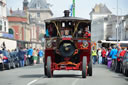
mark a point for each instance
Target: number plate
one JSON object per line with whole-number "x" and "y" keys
{"x": 62, "y": 66}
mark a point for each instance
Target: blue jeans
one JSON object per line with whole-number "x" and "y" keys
{"x": 94, "y": 59}
{"x": 103, "y": 60}
{"x": 21, "y": 63}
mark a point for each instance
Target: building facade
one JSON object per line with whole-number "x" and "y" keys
{"x": 19, "y": 27}
{"x": 26, "y": 25}
{"x": 123, "y": 27}
{"x": 99, "y": 16}
{"x": 99, "y": 11}
{"x": 104, "y": 25}
{"x": 3, "y": 17}
{"x": 38, "y": 11}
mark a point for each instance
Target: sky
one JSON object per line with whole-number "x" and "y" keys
{"x": 83, "y": 7}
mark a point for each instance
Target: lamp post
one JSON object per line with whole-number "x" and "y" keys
{"x": 117, "y": 23}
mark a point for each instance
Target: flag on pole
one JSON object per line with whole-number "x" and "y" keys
{"x": 71, "y": 10}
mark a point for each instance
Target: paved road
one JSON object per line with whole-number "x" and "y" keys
{"x": 33, "y": 75}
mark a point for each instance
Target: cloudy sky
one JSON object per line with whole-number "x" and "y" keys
{"x": 83, "y": 7}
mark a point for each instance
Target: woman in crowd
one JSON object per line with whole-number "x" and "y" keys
{"x": 103, "y": 55}
{"x": 41, "y": 53}
{"x": 99, "y": 56}
{"x": 35, "y": 55}
{"x": 109, "y": 60}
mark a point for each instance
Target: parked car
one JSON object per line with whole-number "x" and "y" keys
{"x": 8, "y": 61}
{"x": 124, "y": 66}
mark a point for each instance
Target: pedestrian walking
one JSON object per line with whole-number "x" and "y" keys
{"x": 103, "y": 55}
{"x": 122, "y": 53}
{"x": 35, "y": 56}
{"x": 113, "y": 55}
{"x": 21, "y": 55}
{"x": 99, "y": 56}
{"x": 94, "y": 55}
{"x": 30, "y": 55}
{"x": 109, "y": 59}
{"x": 41, "y": 53}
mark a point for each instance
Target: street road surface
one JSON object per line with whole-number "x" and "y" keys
{"x": 34, "y": 75}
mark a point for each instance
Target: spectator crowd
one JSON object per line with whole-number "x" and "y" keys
{"x": 25, "y": 56}
{"x": 113, "y": 57}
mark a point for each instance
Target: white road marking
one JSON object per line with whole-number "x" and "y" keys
{"x": 30, "y": 83}
{"x": 74, "y": 82}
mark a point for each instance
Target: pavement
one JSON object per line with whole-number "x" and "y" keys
{"x": 34, "y": 75}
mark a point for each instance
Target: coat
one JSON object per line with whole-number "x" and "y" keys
{"x": 40, "y": 53}
{"x": 103, "y": 53}
{"x": 113, "y": 53}
{"x": 21, "y": 54}
{"x": 30, "y": 51}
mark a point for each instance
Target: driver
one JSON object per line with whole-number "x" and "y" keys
{"x": 67, "y": 33}
{"x": 86, "y": 32}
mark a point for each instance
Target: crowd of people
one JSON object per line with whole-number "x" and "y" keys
{"x": 34, "y": 56}
{"x": 109, "y": 55}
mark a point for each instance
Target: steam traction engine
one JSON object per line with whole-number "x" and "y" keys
{"x": 68, "y": 45}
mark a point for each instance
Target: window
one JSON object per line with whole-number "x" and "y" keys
{"x": 10, "y": 31}
{"x": 38, "y": 14}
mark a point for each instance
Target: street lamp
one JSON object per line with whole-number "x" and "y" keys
{"x": 117, "y": 23}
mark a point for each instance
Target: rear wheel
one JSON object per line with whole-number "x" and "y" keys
{"x": 49, "y": 65}
{"x": 84, "y": 67}
{"x": 90, "y": 67}
{"x": 45, "y": 70}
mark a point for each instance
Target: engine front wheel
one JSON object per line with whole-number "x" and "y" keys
{"x": 84, "y": 67}
{"x": 49, "y": 66}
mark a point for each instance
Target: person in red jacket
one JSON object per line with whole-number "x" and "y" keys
{"x": 120, "y": 60}
{"x": 122, "y": 53}
{"x": 103, "y": 53}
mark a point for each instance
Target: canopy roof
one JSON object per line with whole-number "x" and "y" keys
{"x": 68, "y": 19}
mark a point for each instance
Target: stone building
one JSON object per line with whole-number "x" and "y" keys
{"x": 3, "y": 18}
{"x": 99, "y": 11}
{"x": 26, "y": 25}
{"x": 104, "y": 25}
{"x": 99, "y": 16}
{"x": 38, "y": 11}
{"x": 123, "y": 27}
{"x": 19, "y": 27}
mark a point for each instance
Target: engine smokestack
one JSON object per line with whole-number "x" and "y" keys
{"x": 66, "y": 13}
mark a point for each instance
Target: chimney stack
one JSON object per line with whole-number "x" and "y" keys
{"x": 66, "y": 13}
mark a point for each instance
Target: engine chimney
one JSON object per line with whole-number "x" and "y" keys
{"x": 66, "y": 13}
